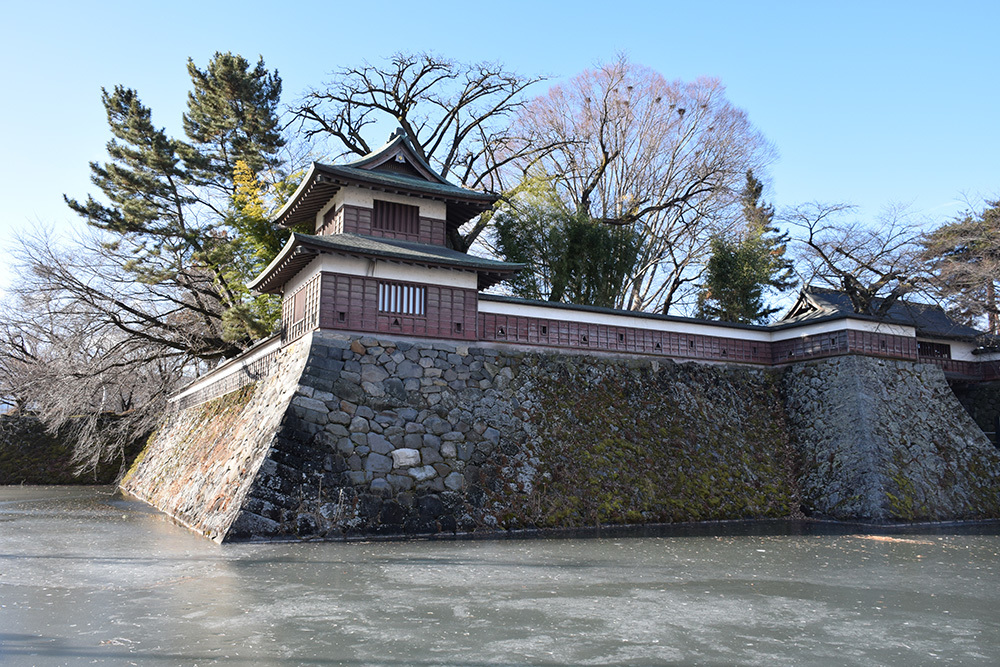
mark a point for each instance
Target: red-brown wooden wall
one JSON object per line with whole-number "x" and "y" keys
{"x": 350, "y": 303}
{"x": 585, "y": 336}
{"x": 358, "y": 220}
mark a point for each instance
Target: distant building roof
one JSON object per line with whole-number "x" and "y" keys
{"x": 302, "y": 248}
{"x": 930, "y": 321}
{"x": 396, "y": 168}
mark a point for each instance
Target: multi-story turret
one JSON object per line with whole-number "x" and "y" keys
{"x": 378, "y": 259}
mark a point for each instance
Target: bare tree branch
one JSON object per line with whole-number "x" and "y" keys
{"x": 667, "y": 159}
{"x": 86, "y": 379}
{"x": 875, "y": 265}
{"x": 458, "y": 115}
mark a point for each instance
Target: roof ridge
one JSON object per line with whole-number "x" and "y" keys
{"x": 398, "y": 143}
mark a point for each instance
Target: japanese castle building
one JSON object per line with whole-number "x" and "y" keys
{"x": 378, "y": 262}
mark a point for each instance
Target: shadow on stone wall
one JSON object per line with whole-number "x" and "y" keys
{"x": 982, "y": 401}
{"x": 884, "y": 440}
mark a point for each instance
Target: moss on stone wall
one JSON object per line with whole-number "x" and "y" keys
{"x": 622, "y": 442}
{"x": 209, "y": 421}
{"x": 199, "y": 465}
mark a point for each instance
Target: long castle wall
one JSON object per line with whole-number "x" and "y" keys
{"x": 357, "y": 435}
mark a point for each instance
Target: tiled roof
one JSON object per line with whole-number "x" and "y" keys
{"x": 929, "y": 320}
{"x": 395, "y": 168}
{"x": 444, "y": 190}
{"x": 302, "y": 248}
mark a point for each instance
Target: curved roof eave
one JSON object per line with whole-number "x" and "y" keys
{"x": 279, "y": 260}
{"x": 302, "y": 248}
{"x": 323, "y": 181}
{"x": 398, "y": 142}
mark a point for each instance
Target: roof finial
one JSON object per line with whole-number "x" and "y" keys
{"x": 398, "y": 132}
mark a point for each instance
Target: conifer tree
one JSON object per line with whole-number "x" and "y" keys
{"x": 964, "y": 258}
{"x": 740, "y": 270}
{"x": 176, "y": 218}
{"x": 144, "y": 180}
{"x": 232, "y": 117}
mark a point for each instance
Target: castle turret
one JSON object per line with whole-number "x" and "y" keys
{"x": 378, "y": 258}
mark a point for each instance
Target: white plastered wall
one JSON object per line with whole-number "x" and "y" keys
{"x": 693, "y": 328}
{"x": 610, "y": 319}
{"x": 357, "y": 266}
{"x": 364, "y": 198}
{"x": 960, "y": 350}
{"x": 839, "y": 325}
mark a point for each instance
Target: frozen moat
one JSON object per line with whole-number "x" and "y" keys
{"x": 87, "y": 578}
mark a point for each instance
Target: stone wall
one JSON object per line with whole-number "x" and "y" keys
{"x": 372, "y": 436}
{"x": 887, "y": 440}
{"x": 393, "y": 437}
{"x": 360, "y": 436}
{"x": 202, "y": 461}
{"x": 982, "y": 401}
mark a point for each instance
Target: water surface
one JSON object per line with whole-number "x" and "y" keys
{"x": 87, "y": 578}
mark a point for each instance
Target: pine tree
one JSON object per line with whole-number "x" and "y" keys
{"x": 143, "y": 181}
{"x": 964, "y": 258}
{"x": 232, "y": 117}
{"x": 741, "y": 270}
{"x": 175, "y": 214}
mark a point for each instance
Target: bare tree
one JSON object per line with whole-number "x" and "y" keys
{"x": 93, "y": 277}
{"x": 92, "y": 353}
{"x": 666, "y": 158}
{"x": 875, "y": 265}
{"x": 17, "y": 353}
{"x": 458, "y": 115}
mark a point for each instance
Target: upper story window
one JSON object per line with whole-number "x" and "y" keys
{"x": 933, "y": 350}
{"x": 393, "y": 217}
{"x": 402, "y": 299}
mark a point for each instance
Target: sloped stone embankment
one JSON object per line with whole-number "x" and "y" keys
{"x": 359, "y": 436}
{"x": 885, "y": 440}
{"x": 380, "y": 437}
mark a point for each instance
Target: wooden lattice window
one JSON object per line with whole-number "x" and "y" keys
{"x": 299, "y": 306}
{"x": 402, "y": 299}
{"x": 933, "y": 350}
{"x": 393, "y": 217}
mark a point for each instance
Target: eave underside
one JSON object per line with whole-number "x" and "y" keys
{"x": 323, "y": 187}
{"x": 300, "y": 253}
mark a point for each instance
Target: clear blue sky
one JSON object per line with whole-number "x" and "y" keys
{"x": 866, "y": 102}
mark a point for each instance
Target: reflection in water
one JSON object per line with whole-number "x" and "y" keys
{"x": 88, "y": 578}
